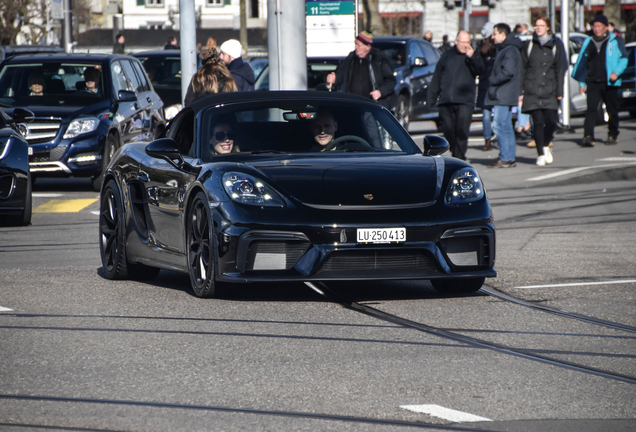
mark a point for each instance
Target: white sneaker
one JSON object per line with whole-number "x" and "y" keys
{"x": 548, "y": 155}
{"x": 541, "y": 161}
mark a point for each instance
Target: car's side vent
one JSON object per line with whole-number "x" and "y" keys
{"x": 6, "y": 185}
{"x": 274, "y": 255}
{"x": 138, "y": 205}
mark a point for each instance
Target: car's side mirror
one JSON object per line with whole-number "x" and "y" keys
{"x": 434, "y": 145}
{"x": 420, "y": 62}
{"x": 21, "y": 115}
{"x": 168, "y": 150}
{"x": 574, "y": 58}
{"x": 126, "y": 96}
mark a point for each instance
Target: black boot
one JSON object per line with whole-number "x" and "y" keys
{"x": 488, "y": 145}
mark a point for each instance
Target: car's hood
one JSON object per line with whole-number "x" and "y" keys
{"x": 64, "y": 112}
{"x": 377, "y": 180}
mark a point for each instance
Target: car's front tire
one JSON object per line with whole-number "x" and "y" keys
{"x": 112, "y": 239}
{"x": 200, "y": 243}
{"x": 457, "y": 285}
{"x": 110, "y": 147}
{"x": 402, "y": 111}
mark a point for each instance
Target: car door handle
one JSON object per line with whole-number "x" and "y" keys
{"x": 143, "y": 176}
{"x": 148, "y": 99}
{"x": 136, "y": 106}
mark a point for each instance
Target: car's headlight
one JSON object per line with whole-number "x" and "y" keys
{"x": 464, "y": 187}
{"x": 81, "y": 126}
{"x": 172, "y": 111}
{"x": 5, "y": 146}
{"x": 247, "y": 189}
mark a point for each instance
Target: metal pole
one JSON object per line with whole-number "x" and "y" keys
{"x": 565, "y": 38}
{"x": 287, "y": 44}
{"x": 467, "y": 8}
{"x": 243, "y": 31}
{"x": 551, "y": 4}
{"x": 188, "y": 36}
{"x": 68, "y": 35}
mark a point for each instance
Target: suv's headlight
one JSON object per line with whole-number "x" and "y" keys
{"x": 464, "y": 187}
{"x": 81, "y": 126}
{"x": 247, "y": 189}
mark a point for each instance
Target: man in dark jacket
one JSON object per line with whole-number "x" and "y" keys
{"x": 231, "y": 52}
{"x": 503, "y": 93}
{"x": 453, "y": 90}
{"x": 366, "y": 72}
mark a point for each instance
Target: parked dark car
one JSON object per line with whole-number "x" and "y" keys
{"x": 317, "y": 70}
{"x": 370, "y": 206}
{"x": 15, "y": 177}
{"x": 164, "y": 70}
{"x": 627, "y": 92}
{"x": 76, "y": 131}
{"x": 414, "y": 62}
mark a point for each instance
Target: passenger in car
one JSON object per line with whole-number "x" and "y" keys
{"x": 323, "y": 127}
{"x": 222, "y": 139}
{"x": 92, "y": 79}
{"x": 36, "y": 85}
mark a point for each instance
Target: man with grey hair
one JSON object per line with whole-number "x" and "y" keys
{"x": 453, "y": 90}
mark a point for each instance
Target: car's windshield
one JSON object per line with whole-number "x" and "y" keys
{"x": 394, "y": 52}
{"x": 300, "y": 127}
{"x": 51, "y": 84}
{"x": 163, "y": 70}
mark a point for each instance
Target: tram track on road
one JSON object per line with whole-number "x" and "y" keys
{"x": 322, "y": 289}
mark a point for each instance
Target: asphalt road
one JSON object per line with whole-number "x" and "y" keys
{"x": 79, "y": 352}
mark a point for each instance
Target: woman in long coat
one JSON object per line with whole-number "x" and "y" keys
{"x": 543, "y": 64}
{"x": 212, "y": 77}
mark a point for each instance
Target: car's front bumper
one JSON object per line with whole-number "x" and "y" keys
{"x": 332, "y": 253}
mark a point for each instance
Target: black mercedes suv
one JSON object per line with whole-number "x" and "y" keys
{"x": 86, "y": 106}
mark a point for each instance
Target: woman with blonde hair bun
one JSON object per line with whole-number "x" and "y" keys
{"x": 212, "y": 77}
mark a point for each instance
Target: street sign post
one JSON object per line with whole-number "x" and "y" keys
{"x": 331, "y": 27}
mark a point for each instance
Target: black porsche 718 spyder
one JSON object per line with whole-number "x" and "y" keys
{"x": 239, "y": 191}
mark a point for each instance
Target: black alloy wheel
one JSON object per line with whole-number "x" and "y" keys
{"x": 110, "y": 147}
{"x": 457, "y": 286}
{"x": 402, "y": 112}
{"x": 200, "y": 242}
{"x": 112, "y": 239}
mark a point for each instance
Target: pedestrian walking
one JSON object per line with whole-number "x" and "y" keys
{"x": 543, "y": 65}
{"x": 487, "y": 51}
{"x": 119, "y": 47}
{"x": 366, "y": 72}
{"x": 452, "y": 89}
{"x": 231, "y": 53}
{"x": 598, "y": 70}
{"x": 503, "y": 93}
{"x": 212, "y": 77}
{"x": 445, "y": 44}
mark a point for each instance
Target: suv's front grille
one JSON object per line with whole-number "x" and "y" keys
{"x": 40, "y": 130}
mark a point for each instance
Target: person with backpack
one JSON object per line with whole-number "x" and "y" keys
{"x": 543, "y": 65}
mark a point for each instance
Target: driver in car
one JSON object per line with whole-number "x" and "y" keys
{"x": 222, "y": 140}
{"x": 323, "y": 127}
{"x": 92, "y": 79}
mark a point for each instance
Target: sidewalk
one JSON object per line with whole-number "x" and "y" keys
{"x": 572, "y": 163}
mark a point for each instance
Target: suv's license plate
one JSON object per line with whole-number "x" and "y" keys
{"x": 628, "y": 93}
{"x": 381, "y": 235}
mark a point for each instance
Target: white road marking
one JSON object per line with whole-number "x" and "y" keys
{"x": 573, "y": 170}
{"x": 46, "y": 195}
{"x": 618, "y": 159}
{"x": 578, "y": 284}
{"x": 4, "y": 309}
{"x": 445, "y": 413}
{"x": 95, "y": 212}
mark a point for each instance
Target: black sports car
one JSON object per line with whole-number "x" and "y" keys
{"x": 15, "y": 177}
{"x": 240, "y": 191}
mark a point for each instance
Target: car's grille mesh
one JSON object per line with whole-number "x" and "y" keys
{"x": 57, "y": 153}
{"x": 43, "y": 156}
{"x": 377, "y": 260}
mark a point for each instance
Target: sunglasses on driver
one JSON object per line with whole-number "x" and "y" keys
{"x": 220, "y": 136}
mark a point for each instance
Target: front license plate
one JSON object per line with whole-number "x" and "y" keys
{"x": 381, "y": 235}
{"x": 30, "y": 151}
{"x": 628, "y": 93}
